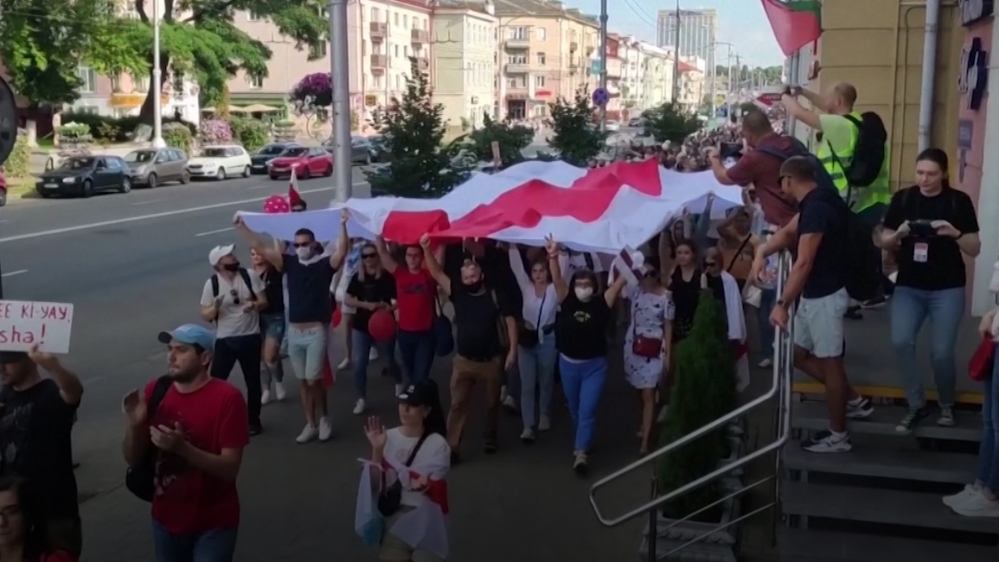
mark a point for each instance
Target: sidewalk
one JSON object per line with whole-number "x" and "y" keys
{"x": 39, "y": 156}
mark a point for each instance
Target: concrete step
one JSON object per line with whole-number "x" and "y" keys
{"x": 869, "y": 459}
{"x": 799, "y": 545}
{"x": 812, "y": 415}
{"x": 873, "y": 505}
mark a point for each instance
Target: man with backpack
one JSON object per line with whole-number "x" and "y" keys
{"x": 853, "y": 149}
{"x": 232, "y": 299}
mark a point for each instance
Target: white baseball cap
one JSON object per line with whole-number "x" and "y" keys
{"x": 219, "y": 252}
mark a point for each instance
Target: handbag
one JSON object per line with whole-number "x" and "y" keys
{"x": 983, "y": 359}
{"x": 527, "y": 337}
{"x": 443, "y": 332}
{"x": 642, "y": 346}
{"x": 390, "y": 500}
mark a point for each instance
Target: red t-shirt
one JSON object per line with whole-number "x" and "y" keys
{"x": 187, "y": 500}
{"x": 416, "y": 295}
{"x": 763, "y": 171}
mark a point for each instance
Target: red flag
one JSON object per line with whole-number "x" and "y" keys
{"x": 795, "y": 24}
{"x": 293, "y": 196}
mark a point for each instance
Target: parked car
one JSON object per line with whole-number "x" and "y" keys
{"x": 636, "y": 122}
{"x": 378, "y": 148}
{"x": 269, "y": 152}
{"x": 86, "y": 175}
{"x": 3, "y": 189}
{"x": 612, "y": 126}
{"x": 306, "y": 162}
{"x": 361, "y": 150}
{"x": 220, "y": 162}
{"x": 151, "y": 167}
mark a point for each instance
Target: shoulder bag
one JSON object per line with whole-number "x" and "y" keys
{"x": 527, "y": 337}
{"x": 390, "y": 500}
{"x": 642, "y": 346}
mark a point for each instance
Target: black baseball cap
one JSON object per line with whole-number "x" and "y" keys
{"x": 419, "y": 394}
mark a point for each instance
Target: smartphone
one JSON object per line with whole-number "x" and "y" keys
{"x": 922, "y": 229}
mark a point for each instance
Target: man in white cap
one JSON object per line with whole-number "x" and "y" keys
{"x": 231, "y": 299}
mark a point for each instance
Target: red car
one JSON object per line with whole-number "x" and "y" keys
{"x": 306, "y": 162}
{"x": 3, "y": 190}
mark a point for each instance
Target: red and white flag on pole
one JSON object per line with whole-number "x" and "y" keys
{"x": 293, "y": 195}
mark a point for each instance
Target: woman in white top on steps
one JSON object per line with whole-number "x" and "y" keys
{"x": 536, "y": 353}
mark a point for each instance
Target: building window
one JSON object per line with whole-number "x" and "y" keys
{"x": 116, "y": 84}
{"x": 541, "y": 59}
{"x": 395, "y": 18}
{"x": 516, "y": 59}
{"x": 318, "y": 51}
{"x": 89, "y": 79}
{"x": 519, "y": 33}
{"x": 140, "y": 84}
{"x": 541, "y": 33}
{"x": 396, "y": 50}
{"x": 87, "y": 109}
{"x": 177, "y": 82}
{"x": 251, "y": 16}
{"x": 539, "y": 81}
{"x": 255, "y": 82}
{"x": 405, "y": 22}
{"x": 375, "y": 15}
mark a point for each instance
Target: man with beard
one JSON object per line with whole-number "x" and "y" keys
{"x": 36, "y": 421}
{"x": 197, "y": 431}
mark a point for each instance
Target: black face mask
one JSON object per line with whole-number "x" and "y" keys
{"x": 231, "y": 266}
{"x": 474, "y": 287}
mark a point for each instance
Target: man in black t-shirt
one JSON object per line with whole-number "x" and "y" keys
{"x": 36, "y": 422}
{"x": 486, "y": 327}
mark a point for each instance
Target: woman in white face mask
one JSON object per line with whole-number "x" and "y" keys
{"x": 581, "y": 340}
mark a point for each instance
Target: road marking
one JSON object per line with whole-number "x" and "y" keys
{"x": 147, "y": 202}
{"x": 13, "y": 273}
{"x": 176, "y": 212}
{"x": 210, "y": 232}
{"x": 262, "y": 186}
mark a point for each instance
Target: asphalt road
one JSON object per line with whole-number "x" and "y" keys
{"x": 134, "y": 264}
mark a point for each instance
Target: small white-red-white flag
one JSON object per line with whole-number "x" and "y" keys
{"x": 293, "y": 195}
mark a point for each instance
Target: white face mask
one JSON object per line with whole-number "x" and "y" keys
{"x": 584, "y": 293}
{"x": 303, "y": 252}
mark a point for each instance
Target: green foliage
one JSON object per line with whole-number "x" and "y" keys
{"x": 124, "y": 126}
{"x": 355, "y": 120}
{"x": 17, "y": 164}
{"x": 704, "y": 384}
{"x": 670, "y": 122}
{"x": 414, "y": 129}
{"x": 179, "y": 136}
{"x": 251, "y": 133}
{"x": 577, "y": 139}
{"x": 71, "y": 131}
{"x": 222, "y": 104}
{"x": 106, "y": 134}
{"x": 511, "y": 138}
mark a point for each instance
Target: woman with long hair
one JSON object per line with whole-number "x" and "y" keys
{"x": 407, "y": 473}
{"x": 684, "y": 283}
{"x": 931, "y": 226}
{"x": 22, "y": 533}
{"x": 272, "y": 327}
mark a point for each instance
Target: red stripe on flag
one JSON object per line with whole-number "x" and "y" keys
{"x": 792, "y": 28}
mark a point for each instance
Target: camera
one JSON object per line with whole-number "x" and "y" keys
{"x": 922, "y": 229}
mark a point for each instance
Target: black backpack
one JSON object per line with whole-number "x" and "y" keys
{"x": 869, "y": 153}
{"x": 244, "y": 274}
{"x": 139, "y": 479}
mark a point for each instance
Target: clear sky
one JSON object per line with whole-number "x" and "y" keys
{"x": 740, "y": 22}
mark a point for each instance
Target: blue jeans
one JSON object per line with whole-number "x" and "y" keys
{"x": 768, "y": 299}
{"x": 417, "y": 350}
{"x": 909, "y": 309}
{"x": 363, "y": 342}
{"x": 988, "y": 455}
{"x": 537, "y": 377}
{"x": 217, "y": 545}
{"x": 583, "y": 382}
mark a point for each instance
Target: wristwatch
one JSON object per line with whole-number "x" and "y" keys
{"x": 781, "y": 303}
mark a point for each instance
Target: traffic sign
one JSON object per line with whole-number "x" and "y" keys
{"x": 600, "y": 97}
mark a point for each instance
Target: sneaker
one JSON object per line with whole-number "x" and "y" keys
{"x": 279, "y": 391}
{"x": 876, "y": 302}
{"x": 580, "y": 465}
{"x": 325, "y": 428}
{"x": 256, "y": 429}
{"x": 977, "y": 506}
{"x": 969, "y": 491}
{"x": 308, "y": 434}
{"x": 544, "y": 423}
{"x": 859, "y": 409}
{"x": 510, "y": 404}
{"x": 343, "y": 364}
{"x": 359, "y": 407}
{"x": 399, "y": 387}
{"x": 765, "y": 364}
{"x": 946, "y": 418}
{"x": 527, "y": 436}
{"x": 826, "y": 442}
{"x": 911, "y": 420}
{"x": 373, "y": 355}
{"x": 265, "y": 397}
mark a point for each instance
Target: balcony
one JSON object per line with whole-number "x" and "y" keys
{"x": 573, "y": 47}
{"x": 378, "y": 30}
{"x": 419, "y": 37}
{"x": 378, "y": 64}
{"x": 517, "y": 93}
{"x": 517, "y": 43}
{"x": 517, "y": 68}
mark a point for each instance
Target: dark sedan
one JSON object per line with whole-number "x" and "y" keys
{"x": 84, "y": 176}
{"x": 260, "y": 159}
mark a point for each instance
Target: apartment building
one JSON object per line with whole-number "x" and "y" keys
{"x": 632, "y": 86}
{"x": 615, "y": 72}
{"x": 464, "y": 75}
{"x": 544, "y": 54}
{"x": 656, "y": 76}
{"x": 692, "y": 82}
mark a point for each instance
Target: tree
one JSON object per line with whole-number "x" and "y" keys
{"x": 669, "y": 122}
{"x": 512, "y": 140}
{"x": 577, "y": 138}
{"x": 414, "y": 128}
{"x": 199, "y": 39}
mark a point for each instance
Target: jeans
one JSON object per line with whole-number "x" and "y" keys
{"x": 768, "y": 299}
{"x": 988, "y": 455}
{"x": 217, "y": 545}
{"x": 909, "y": 309}
{"x": 583, "y": 382}
{"x": 417, "y": 350}
{"x": 537, "y": 377}
{"x": 362, "y": 344}
{"x": 246, "y": 351}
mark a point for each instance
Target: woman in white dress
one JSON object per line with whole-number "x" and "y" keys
{"x": 648, "y": 342}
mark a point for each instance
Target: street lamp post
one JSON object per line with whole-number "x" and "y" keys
{"x": 340, "y": 74}
{"x": 158, "y": 141}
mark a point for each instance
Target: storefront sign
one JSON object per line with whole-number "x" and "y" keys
{"x": 973, "y": 74}
{"x": 974, "y": 11}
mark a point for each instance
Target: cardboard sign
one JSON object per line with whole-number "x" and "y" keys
{"x": 25, "y": 323}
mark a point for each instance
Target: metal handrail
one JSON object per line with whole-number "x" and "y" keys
{"x": 775, "y": 387}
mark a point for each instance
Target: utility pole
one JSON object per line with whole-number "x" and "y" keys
{"x": 340, "y": 74}
{"x": 603, "y": 61}
{"x": 676, "y": 57}
{"x": 158, "y": 141}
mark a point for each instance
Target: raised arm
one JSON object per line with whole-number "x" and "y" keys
{"x": 517, "y": 266}
{"x": 555, "y": 268}
{"x": 273, "y": 252}
{"x": 614, "y": 291}
{"x": 388, "y": 262}
{"x": 434, "y": 266}
{"x": 70, "y": 387}
{"x": 336, "y": 259}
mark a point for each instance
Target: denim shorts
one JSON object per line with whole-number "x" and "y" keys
{"x": 307, "y": 351}
{"x": 818, "y": 324}
{"x": 272, "y": 326}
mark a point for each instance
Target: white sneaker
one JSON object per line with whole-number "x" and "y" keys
{"x": 360, "y": 407}
{"x": 308, "y": 434}
{"x": 265, "y": 397}
{"x": 580, "y": 464}
{"x": 977, "y": 506}
{"x": 509, "y": 403}
{"x": 325, "y": 428}
{"x": 825, "y": 442}
{"x": 766, "y": 363}
{"x": 343, "y": 364}
{"x": 969, "y": 491}
{"x": 399, "y": 387}
{"x": 527, "y": 436}
{"x": 544, "y": 423}
{"x": 373, "y": 354}
{"x": 279, "y": 392}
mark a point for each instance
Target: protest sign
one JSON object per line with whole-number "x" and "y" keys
{"x": 24, "y": 324}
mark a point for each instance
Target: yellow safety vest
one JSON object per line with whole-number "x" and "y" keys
{"x": 862, "y": 197}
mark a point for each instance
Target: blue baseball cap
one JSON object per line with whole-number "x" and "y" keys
{"x": 190, "y": 334}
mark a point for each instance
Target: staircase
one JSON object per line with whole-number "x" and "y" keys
{"x": 881, "y": 502}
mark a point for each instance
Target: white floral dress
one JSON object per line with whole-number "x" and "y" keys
{"x": 649, "y": 314}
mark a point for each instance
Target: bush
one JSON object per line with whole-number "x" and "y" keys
{"x": 670, "y": 122}
{"x": 576, "y": 139}
{"x": 214, "y": 131}
{"x": 75, "y": 132}
{"x": 512, "y": 140}
{"x": 123, "y": 126}
{"x": 177, "y": 135}
{"x": 17, "y": 164}
{"x": 312, "y": 91}
{"x": 250, "y": 133}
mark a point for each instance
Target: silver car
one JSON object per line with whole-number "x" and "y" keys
{"x": 151, "y": 167}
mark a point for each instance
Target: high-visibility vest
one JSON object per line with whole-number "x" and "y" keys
{"x": 862, "y": 197}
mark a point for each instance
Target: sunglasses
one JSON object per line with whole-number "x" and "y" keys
{"x": 302, "y": 244}
{"x": 710, "y": 264}
{"x": 369, "y": 256}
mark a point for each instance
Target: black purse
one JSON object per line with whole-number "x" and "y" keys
{"x": 527, "y": 337}
{"x": 390, "y": 500}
